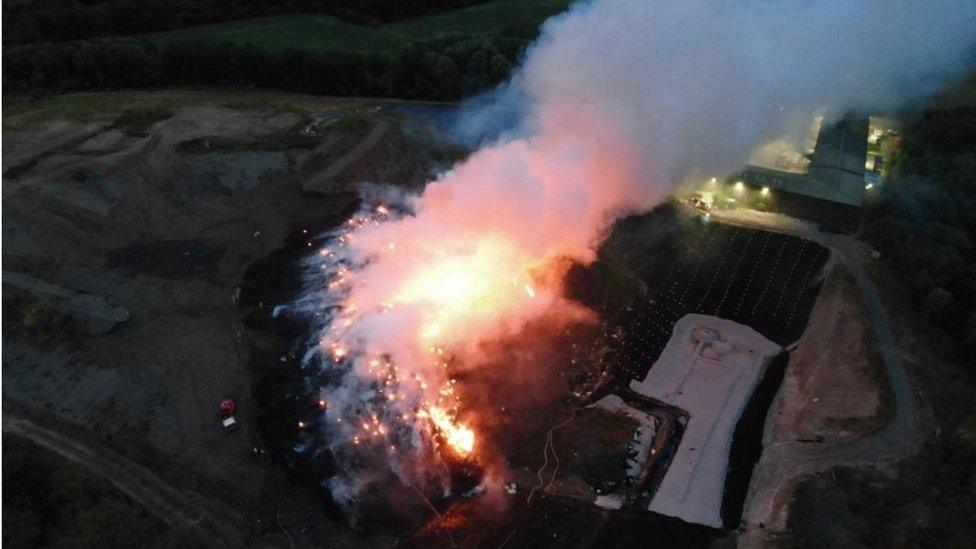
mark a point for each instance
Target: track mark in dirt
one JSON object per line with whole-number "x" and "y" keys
{"x": 15, "y": 171}
{"x": 324, "y": 180}
{"x": 135, "y": 481}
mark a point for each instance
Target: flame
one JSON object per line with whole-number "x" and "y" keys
{"x": 450, "y": 289}
{"x": 408, "y": 299}
{"x": 461, "y": 287}
{"x": 458, "y": 437}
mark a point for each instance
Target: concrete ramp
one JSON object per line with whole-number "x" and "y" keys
{"x": 709, "y": 368}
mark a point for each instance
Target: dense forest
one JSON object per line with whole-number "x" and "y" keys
{"x": 68, "y": 20}
{"x": 924, "y": 223}
{"x": 445, "y": 68}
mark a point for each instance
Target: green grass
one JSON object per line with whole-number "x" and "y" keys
{"x": 324, "y": 33}
{"x": 316, "y": 32}
{"x": 523, "y": 15}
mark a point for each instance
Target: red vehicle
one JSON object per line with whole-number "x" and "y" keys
{"x": 226, "y": 408}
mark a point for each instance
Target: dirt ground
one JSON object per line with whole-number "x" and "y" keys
{"x": 926, "y": 500}
{"x": 836, "y": 386}
{"x": 835, "y": 392}
{"x": 153, "y": 205}
{"x": 905, "y": 483}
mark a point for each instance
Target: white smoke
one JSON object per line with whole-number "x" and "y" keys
{"x": 694, "y": 85}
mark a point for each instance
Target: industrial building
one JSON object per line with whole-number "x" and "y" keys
{"x": 830, "y": 191}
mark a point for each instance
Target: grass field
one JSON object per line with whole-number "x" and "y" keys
{"x": 324, "y": 33}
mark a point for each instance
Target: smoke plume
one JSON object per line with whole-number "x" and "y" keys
{"x": 620, "y": 101}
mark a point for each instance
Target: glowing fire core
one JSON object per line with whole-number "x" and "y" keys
{"x": 403, "y": 319}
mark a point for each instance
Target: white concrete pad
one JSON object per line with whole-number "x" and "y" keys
{"x": 709, "y": 368}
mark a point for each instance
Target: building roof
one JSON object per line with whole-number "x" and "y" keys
{"x": 836, "y": 171}
{"x": 845, "y": 188}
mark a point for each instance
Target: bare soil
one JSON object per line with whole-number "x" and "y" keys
{"x": 926, "y": 500}
{"x": 160, "y": 213}
{"x": 836, "y": 386}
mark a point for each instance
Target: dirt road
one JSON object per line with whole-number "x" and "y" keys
{"x": 324, "y": 182}
{"x": 784, "y": 464}
{"x": 168, "y": 504}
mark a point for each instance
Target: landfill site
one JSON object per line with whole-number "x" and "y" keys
{"x": 144, "y": 343}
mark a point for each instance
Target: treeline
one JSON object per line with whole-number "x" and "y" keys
{"x": 443, "y": 69}
{"x": 66, "y": 20}
{"x": 925, "y": 224}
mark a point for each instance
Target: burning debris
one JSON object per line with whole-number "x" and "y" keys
{"x": 398, "y": 321}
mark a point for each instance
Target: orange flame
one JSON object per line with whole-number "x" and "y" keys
{"x": 460, "y": 291}
{"x": 426, "y": 306}
{"x": 458, "y": 436}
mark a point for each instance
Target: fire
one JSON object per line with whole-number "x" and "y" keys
{"x": 404, "y": 309}
{"x": 461, "y": 287}
{"x": 475, "y": 256}
{"x": 408, "y": 295}
{"x": 417, "y": 314}
{"x": 458, "y": 437}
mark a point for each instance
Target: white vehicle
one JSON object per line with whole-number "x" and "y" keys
{"x": 229, "y": 423}
{"x": 700, "y": 203}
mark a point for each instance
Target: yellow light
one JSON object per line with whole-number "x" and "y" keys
{"x": 765, "y": 191}
{"x": 738, "y": 186}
